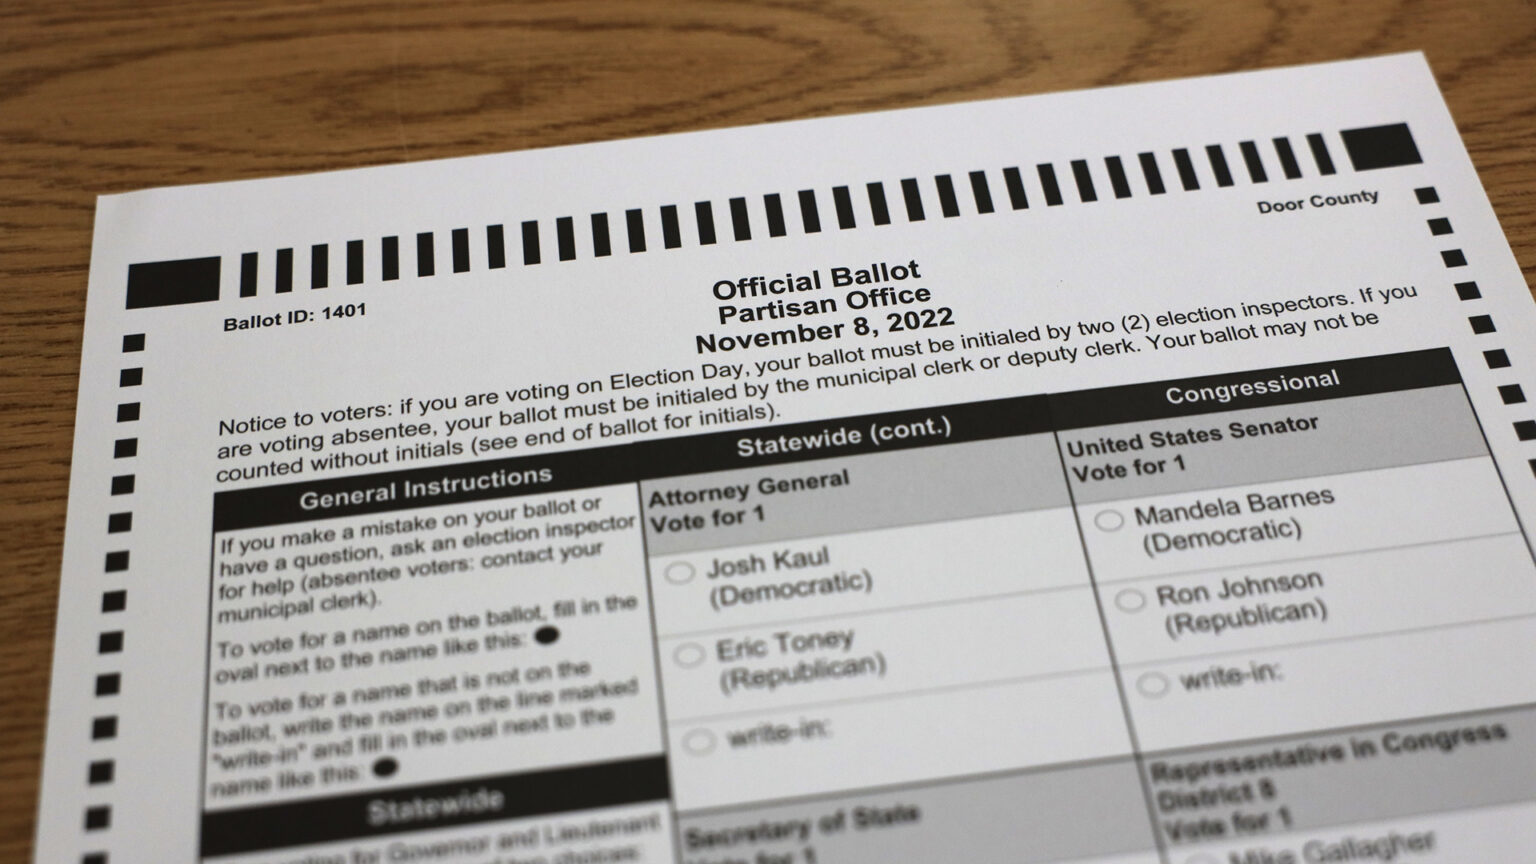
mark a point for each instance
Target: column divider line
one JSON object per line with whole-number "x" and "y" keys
{"x": 661, "y": 690}
{"x": 1114, "y": 661}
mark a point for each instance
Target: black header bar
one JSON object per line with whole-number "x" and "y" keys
{"x": 1259, "y": 388}
{"x": 628, "y": 463}
{"x": 441, "y": 805}
{"x": 847, "y": 436}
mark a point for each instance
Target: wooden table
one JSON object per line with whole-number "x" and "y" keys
{"x": 99, "y": 97}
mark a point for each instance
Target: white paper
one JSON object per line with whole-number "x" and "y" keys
{"x": 1129, "y": 475}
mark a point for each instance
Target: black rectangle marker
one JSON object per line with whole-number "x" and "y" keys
{"x": 1048, "y": 183}
{"x": 319, "y": 265}
{"x": 1015, "y": 183}
{"x": 1117, "y": 179}
{"x": 173, "y": 283}
{"x": 634, "y": 227}
{"x": 671, "y": 232}
{"x": 1084, "y": 180}
{"x": 354, "y": 262}
{"x": 460, "y": 242}
{"x": 1255, "y": 165}
{"x": 1287, "y": 156}
{"x": 531, "y": 242}
{"x": 914, "y": 199}
{"x": 774, "y": 207}
{"x": 389, "y": 250}
{"x": 1151, "y": 173}
{"x": 602, "y": 244}
{"x": 284, "y": 281}
{"x": 495, "y": 247}
{"x": 248, "y": 274}
{"x": 1320, "y": 153}
{"x": 741, "y": 229}
{"x": 809, "y": 215}
{"x": 842, "y": 202}
{"x": 981, "y": 192}
{"x": 426, "y": 254}
{"x": 565, "y": 238}
{"x": 704, "y": 215}
{"x": 879, "y": 208}
{"x": 1381, "y": 147}
{"x": 1219, "y": 168}
{"x": 98, "y": 818}
{"x": 947, "y": 203}
{"x": 1186, "y": 170}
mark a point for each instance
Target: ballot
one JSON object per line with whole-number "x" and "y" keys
{"x": 1141, "y": 475}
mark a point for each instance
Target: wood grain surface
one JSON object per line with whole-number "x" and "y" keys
{"x": 100, "y": 97}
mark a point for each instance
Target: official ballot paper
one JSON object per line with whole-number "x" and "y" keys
{"x": 1131, "y": 475}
